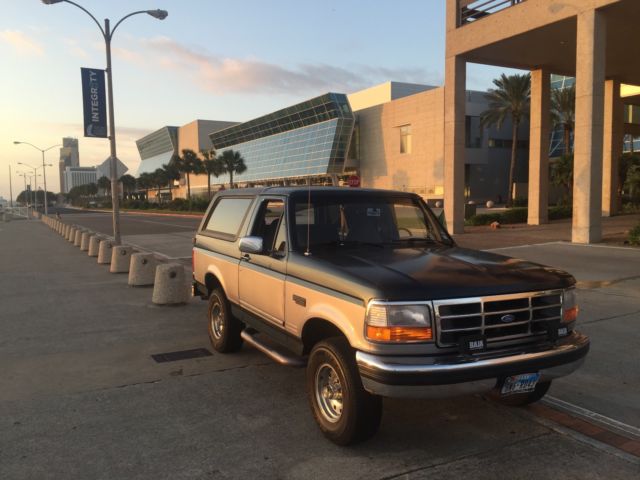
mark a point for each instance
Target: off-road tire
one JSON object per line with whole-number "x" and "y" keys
{"x": 361, "y": 411}
{"x": 225, "y": 333}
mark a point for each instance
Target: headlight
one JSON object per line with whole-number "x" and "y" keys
{"x": 569, "y": 306}
{"x": 398, "y": 322}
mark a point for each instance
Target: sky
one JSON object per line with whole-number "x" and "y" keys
{"x": 209, "y": 59}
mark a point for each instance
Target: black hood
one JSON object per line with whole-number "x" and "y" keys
{"x": 439, "y": 272}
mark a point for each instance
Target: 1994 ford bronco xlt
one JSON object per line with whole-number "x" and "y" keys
{"x": 367, "y": 289}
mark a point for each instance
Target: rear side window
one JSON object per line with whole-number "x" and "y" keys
{"x": 227, "y": 215}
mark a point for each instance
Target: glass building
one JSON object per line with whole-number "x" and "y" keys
{"x": 556, "y": 147}
{"x": 310, "y": 139}
{"x": 157, "y": 148}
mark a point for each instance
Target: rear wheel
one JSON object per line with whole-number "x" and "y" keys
{"x": 224, "y": 328}
{"x": 520, "y": 399}
{"x": 345, "y": 412}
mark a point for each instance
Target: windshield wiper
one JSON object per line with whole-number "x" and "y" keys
{"x": 359, "y": 243}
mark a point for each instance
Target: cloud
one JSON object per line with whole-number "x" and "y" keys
{"x": 21, "y": 42}
{"x": 75, "y": 49}
{"x": 224, "y": 75}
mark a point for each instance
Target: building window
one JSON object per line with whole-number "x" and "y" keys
{"x": 405, "y": 139}
{"x": 472, "y": 132}
{"x": 504, "y": 143}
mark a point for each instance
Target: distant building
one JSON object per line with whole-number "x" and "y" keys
{"x": 76, "y": 176}
{"x": 69, "y": 157}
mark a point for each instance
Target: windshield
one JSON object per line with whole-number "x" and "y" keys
{"x": 347, "y": 220}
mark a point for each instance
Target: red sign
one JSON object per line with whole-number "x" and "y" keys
{"x": 354, "y": 181}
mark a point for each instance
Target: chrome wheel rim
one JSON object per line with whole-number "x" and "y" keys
{"x": 216, "y": 319}
{"x": 329, "y": 393}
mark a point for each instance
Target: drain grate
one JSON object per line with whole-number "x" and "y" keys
{"x": 181, "y": 355}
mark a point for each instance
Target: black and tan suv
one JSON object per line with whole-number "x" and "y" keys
{"x": 367, "y": 289}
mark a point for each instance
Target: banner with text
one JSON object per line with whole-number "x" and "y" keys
{"x": 94, "y": 100}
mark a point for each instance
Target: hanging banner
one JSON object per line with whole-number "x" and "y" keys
{"x": 94, "y": 100}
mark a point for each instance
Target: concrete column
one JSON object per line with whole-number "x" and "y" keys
{"x": 587, "y": 166}
{"x": 454, "y": 112}
{"x": 612, "y": 149}
{"x": 539, "y": 127}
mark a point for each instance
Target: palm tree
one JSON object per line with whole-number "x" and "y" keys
{"x": 562, "y": 176}
{"x": 128, "y": 184}
{"x": 145, "y": 182}
{"x": 160, "y": 179}
{"x": 563, "y": 113}
{"x": 212, "y": 165}
{"x": 189, "y": 163}
{"x": 172, "y": 171}
{"x": 510, "y": 99}
{"x": 104, "y": 183}
{"x": 232, "y": 162}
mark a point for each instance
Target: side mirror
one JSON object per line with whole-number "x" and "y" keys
{"x": 251, "y": 245}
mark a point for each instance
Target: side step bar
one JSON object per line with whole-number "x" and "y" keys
{"x": 248, "y": 335}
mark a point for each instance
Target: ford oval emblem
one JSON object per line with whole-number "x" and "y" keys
{"x": 508, "y": 318}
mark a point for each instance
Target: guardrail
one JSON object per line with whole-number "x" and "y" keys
{"x": 470, "y": 11}
{"x": 18, "y": 211}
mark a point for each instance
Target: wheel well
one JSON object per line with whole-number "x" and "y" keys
{"x": 316, "y": 330}
{"x": 212, "y": 282}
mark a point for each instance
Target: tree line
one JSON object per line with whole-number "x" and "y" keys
{"x": 191, "y": 163}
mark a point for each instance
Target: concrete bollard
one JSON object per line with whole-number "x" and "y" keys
{"x": 120, "y": 259}
{"x": 142, "y": 270}
{"x": 84, "y": 240}
{"x": 67, "y": 229}
{"x": 94, "y": 245}
{"x": 104, "y": 252}
{"x": 78, "y": 237}
{"x": 71, "y": 236}
{"x": 6, "y": 217}
{"x": 170, "y": 286}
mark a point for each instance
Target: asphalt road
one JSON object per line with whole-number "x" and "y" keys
{"x": 131, "y": 223}
{"x": 81, "y": 397}
{"x": 168, "y": 235}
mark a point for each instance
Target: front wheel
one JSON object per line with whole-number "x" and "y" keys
{"x": 224, "y": 328}
{"x": 345, "y": 412}
{"x": 521, "y": 399}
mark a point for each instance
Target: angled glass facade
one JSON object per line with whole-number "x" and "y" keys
{"x": 308, "y": 139}
{"x": 157, "y": 148}
{"x": 556, "y": 146}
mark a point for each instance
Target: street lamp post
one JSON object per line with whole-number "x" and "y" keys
{"x": 35, "y": 174}
{"x": 44, "y": 171}
{"x": 107, "y": 34}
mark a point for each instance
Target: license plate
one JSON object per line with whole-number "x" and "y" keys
{"x": 520, "y": 383}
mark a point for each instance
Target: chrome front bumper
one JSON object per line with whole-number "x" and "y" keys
{"x": 434, "y": 377}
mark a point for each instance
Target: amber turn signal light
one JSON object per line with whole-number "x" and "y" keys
{"x": 399, "y": 334}
{"x": 570, "y": 315}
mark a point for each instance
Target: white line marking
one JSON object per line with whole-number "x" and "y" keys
{"x": 591, "y": 416}
{"x": 560, "y": 242}
{"x": 523, "y": 246}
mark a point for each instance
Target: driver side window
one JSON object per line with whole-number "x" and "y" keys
{"x": 268, "y": 224}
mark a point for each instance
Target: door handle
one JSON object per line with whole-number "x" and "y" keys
{"x": 246, "y": 256}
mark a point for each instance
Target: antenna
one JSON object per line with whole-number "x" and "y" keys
{"x": 308, "y": 252}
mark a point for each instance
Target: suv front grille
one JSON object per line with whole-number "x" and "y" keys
{"x": 500, "y": 317}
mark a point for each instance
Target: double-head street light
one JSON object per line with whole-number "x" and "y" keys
{"x": 107, "y": 34}
{"x": 30, "y": 176}
{"x": 35, "y": 174}
{"x": 44, "y": 172}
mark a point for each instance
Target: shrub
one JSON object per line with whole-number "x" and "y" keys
{"x": 561, "y": 211}
{"x": 483, "y": 219}
{"x": 514, "y": 215}
{"x": 634, "y": 235}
